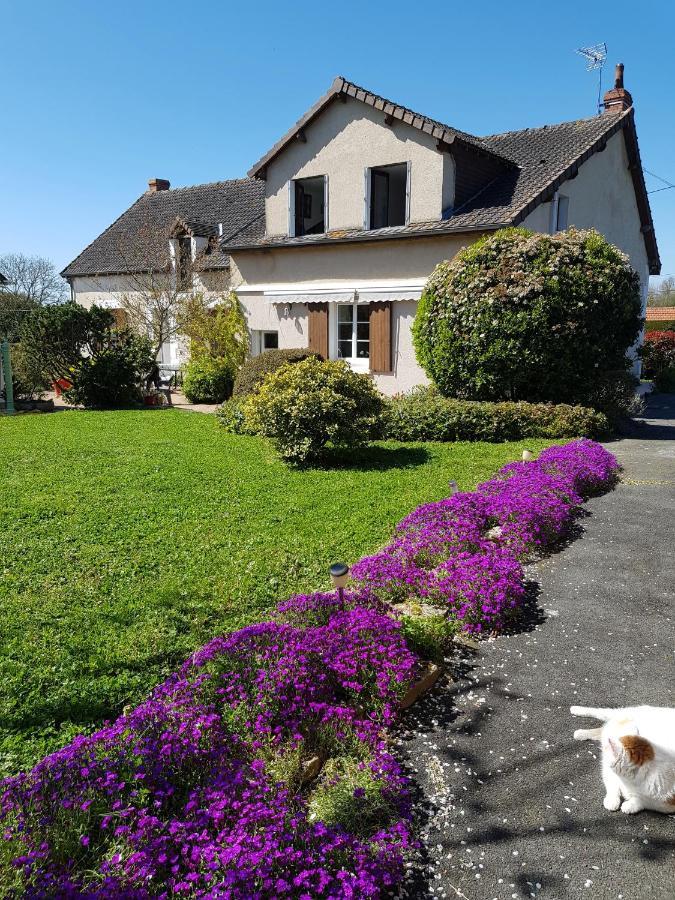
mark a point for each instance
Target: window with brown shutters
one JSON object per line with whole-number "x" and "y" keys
{"x": 317, "y": 326}
{"x": 380, "y": 337}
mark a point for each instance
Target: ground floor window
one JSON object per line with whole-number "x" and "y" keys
{"x": 264, "y": 340}
{"x": 353, "y": 332}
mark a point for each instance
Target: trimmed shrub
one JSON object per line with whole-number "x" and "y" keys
{"x": 614, "y": 394}
{"x": 230, "y": 416}
{"x": 658, "y": 354}
{"x": 524, "y": 316}
{"x": 662, "y": 325}
{"x": 425, "y": 415}
{"x": 111, "y": 377}
{"x": 304, "y": 405}
{"x": 254, "y": 371}
{"x": 208, "y": 380}
{"x": 27, "y": 379}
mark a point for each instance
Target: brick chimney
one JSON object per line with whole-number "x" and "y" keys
{"x": 618, "y": 99}
{"x": 158, "y": 184}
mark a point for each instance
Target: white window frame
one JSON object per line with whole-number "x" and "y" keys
{"x": 367, "y": 192}
{"x": 359, "y": 364}
{"x": 258, "y": 339}
{"x": 291, "y": 203}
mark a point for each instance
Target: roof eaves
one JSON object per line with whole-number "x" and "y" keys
{"x": 64, "y": 272}
{"x": 341, "y": 86}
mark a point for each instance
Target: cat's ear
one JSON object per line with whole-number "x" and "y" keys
{"x": 613, "y": 746}
{"x": 639, "y": 749}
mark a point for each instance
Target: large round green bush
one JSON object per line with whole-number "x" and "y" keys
{"x": 524, "y": 316}
{"x": 304, "y": 405}
{"x": 255, "y": 370}
{"x": 208, "y": 380}
{"x": 111, "y": 377}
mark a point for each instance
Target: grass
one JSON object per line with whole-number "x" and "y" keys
{"x": 127, "y": 539}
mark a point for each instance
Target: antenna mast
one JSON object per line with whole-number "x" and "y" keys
{"x": 595, "y": 57}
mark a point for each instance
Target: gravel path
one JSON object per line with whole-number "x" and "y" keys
{"x": 511, "y": 806}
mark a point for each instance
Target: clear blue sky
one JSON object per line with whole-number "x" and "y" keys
{"x": 98, "y": 97}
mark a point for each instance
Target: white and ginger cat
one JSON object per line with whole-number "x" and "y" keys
{"x": 638, "y": 755}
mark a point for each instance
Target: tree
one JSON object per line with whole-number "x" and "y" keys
{"x": 32, "y": 278}
{"x": 13, "y": 310}
{"x": 58, "y": 336}
{"x": 524, "y": 316}
{"x": 215, "y": 328}
{"x": 158, "y": 283}
{"x": 663, "y": 294}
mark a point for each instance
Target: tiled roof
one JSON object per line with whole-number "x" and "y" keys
{"x": 545, "y": 157}
{"x": 660, "y": 313}
{"x": 341, "y": 88}
{"x": 237, "y": 205}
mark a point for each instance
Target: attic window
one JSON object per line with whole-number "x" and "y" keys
{"x": 184, "y": 263}
{"x": 387, "y": 196}
{"x": 308, "y": 205}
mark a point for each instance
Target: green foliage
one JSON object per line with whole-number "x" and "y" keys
{"x": 663, "y": 325}
{"x": 129, "y": 538}
{"x": 304, "y": 405}
{"x": 216, "y": 330}
{"x": 614, "y": 395}
{"x": 430, "y": 636}
{"x": 658, "y": 354}
{"x": 523, "y": 316}
{"x": 14, "y": 308}
{"x": 256, "y": 369}
{"x": 27, "y": 378}
{"x": 350, "y": 795}
{"x": 111, "y": 377}
{"x": 230, "y": 416}
{"x": 425, "y": 415}
{"x": 207, "y": 379}
{"x": 58, "y": 336}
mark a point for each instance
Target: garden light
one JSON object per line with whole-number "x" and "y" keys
{"x": 528, "y": 455}
{"x": 339, "y": 573}
{"x": 453, "y": 487}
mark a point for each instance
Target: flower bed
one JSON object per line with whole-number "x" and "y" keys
{"x": 202, "y": 790}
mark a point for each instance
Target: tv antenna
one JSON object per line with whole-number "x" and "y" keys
{"x": 595, "y": 57}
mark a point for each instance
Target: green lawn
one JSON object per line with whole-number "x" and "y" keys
{"x": 127, "y": 539}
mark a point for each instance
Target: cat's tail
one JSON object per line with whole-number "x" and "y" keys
{"x": 593, "y": 712}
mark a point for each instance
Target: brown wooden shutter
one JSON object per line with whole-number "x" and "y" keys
{"x": 380, "y": 337}
{"x": 317, "y": 318}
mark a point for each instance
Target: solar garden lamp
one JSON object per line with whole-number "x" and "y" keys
{"x": 453, "y": 487}
{"x": 339, "y": 573}
{"x": 528, "y": 456}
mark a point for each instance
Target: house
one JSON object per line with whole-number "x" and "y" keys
{"x": 330, "y": 240}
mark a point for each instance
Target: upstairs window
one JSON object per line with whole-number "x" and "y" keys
{"x": 184, "y": 263}
{"x": 308, "y": 206}
{"x": 387, "y": 196}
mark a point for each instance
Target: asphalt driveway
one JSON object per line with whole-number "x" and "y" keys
{"x": 511, "y": 806}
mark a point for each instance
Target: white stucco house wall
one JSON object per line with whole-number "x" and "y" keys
{"x": 329, "y": 241}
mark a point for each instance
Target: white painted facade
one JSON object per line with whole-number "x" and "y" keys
{"x": 274, "y": 285}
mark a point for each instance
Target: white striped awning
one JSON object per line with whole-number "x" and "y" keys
{"x": 366, "y": 295}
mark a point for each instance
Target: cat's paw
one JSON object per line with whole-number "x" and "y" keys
{"x": 580, "y": 734}
{"x": 612, "y": 802}
{"x": 631, "y": 806}
{"x": 577, "y": 710}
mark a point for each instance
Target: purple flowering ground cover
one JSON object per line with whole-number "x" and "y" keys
{"x": 202, "y": 790}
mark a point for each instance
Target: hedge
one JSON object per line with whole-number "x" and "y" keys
{"x": 424, "y": 415}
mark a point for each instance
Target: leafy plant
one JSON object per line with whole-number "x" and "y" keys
{"x": 57, "y": 337}
{"x": 215, "y": 329}
{"x": 525, "y": 316}
{"x": 207, "y": 379}
{"x": 304, "y": 405}
{"x": 27, "y": 378}
{"x": 111, "y": 377}
{"x": 425, "y": 415}
{"x": 658, "y": 353}
{"x": 255, "y": 370}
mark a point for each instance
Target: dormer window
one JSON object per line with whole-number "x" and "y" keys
{"x": 308, "y": 206}
{"x": 387, "y": 196}
{"x": 184, "y": 268}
